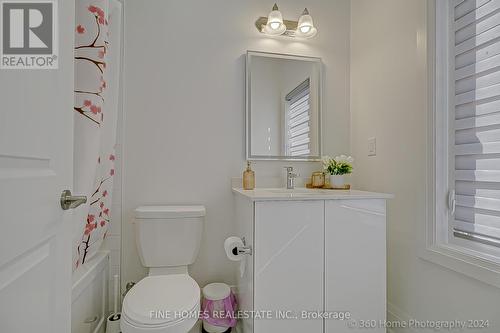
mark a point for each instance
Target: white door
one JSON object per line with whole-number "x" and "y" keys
{"x": 289, "y": 261}
{"x": 36, "y": 165}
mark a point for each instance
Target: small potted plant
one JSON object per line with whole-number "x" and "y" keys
{"x": 337, "y": 167}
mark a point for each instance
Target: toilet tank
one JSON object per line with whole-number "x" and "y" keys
{"x": 168, "y": 236}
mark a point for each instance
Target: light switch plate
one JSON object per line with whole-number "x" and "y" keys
{"x": 372, "y": 147}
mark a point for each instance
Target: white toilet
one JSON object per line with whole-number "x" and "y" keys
{"x": 168, "y": 240}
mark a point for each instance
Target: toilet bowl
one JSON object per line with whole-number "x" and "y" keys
{"x": 168, "y": 299}
{"x": 168, "y": 303}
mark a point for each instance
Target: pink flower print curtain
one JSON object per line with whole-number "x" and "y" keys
{"x": 97, "y": 70}
{"x": 101, "y": 198}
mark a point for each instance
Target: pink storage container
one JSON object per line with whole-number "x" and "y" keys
{"x": 218, "y": 308}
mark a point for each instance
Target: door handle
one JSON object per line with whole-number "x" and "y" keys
{"x": 69, "y": 201}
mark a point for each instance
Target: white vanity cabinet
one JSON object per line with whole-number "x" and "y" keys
{"x": 289, "y": 263}
{"x": 314, "y": 253}
{"x": 355, "y": 264}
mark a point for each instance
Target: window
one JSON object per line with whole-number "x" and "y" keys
{"x": 297, "y": 120}
{"x": 475, "y": 193}
{"x": 465, "y": 192}
{"x": 475, "y": 189}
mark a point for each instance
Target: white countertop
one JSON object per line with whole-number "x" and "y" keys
{"x": 300, "y": 193}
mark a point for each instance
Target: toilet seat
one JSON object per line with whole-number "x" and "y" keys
{"x": 162, "y": 303}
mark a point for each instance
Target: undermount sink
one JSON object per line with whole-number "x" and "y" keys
{"x": 301, "y": 191}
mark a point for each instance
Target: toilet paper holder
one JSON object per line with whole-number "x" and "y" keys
{"x": 247, "y": 250}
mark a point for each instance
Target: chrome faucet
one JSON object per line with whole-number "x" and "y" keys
{"x": 290, "y": 178}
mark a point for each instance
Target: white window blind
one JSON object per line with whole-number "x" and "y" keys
{"x": 298, "y": 119}
{"x": 477, "y": 120}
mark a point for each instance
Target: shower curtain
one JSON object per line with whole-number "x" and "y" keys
{"x": 97, "y": 80}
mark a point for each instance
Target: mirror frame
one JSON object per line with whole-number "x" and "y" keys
{"x": 248, "y": 147}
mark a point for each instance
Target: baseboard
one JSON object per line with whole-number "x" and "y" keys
{"x": 394, "y": 316}
{"x": 101, "y": 327}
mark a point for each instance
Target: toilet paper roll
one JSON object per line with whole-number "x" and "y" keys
{"x": 230, "y": 246}
{"x": 243, "y": 265}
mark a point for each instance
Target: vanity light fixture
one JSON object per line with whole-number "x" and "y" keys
{"x": 274, "y": 25}
{"x": 305, "y": 26}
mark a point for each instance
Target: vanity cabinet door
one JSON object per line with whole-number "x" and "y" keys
{"x": 355, "y": 261}
{"x": 289, "y": 264}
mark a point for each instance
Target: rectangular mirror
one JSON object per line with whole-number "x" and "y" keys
{"x": 283, "y": 113}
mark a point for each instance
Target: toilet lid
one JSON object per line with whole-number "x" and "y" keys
{"x": 157, "y": 300}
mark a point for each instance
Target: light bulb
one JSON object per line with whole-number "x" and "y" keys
{"x": 274, "y": 25}
{"x": 305, "y": 29}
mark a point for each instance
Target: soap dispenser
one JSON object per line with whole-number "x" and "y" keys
{"x": 248, "y": 178}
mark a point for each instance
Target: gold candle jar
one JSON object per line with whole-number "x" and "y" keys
{"x": 318, "y": 179}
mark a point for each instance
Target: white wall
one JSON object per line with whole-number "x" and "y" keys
{"x": 388, "y": 101}
{"x": 185, "y": 101}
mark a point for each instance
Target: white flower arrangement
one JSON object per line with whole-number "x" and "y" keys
{"x": 338, "y": 165}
